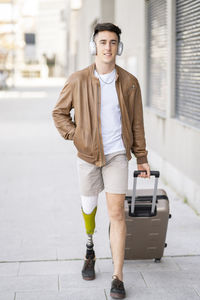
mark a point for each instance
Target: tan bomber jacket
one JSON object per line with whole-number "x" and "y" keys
{"x": 83, "y": 93}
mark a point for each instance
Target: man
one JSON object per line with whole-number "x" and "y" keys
{"x": 107, "y": 127}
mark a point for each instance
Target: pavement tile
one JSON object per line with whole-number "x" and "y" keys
{"x": 28, "y": 252}
{"x": 164, "y": 293}
{"x": 188, "y": 262}
{"x": 102, "y": 280}
{"x": 197, "y": 289}
{"x": 7, "y": 296}
{"x": 102, "y": 251}
{"x": 172, "y": 279}
{"x": 104, "y": 265}
{"x": 168, "y": 264}
{"x": 70, "y": 294}
{"x": 74, "y": 280}
{"x": 71, "y": 252}
{"x": 50, "y": 267}
{"x": 86, "y": 294}
{"x": 183, "y": 230}
{"x": 29, "y": 283}
{"x": 9, "y": 246}
{"x": 77, "y": 246}
{"x": 38, "y": 268}
{"x": 9, "y": 269}
{"x": 71, "y": 238}
{"x": 70, "y": 267}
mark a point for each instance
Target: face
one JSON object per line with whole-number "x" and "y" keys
{"x": 107, "y": 44}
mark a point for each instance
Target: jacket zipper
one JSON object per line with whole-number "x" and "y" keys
{"x": 122, "y": 118}
{"x": 98, "y": 116}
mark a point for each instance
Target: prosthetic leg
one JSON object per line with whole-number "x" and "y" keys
{"x": 89, "y": 208}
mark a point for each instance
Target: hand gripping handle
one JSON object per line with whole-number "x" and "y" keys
{"x": 152, "y": 173}
{"x": 135, "y": 175}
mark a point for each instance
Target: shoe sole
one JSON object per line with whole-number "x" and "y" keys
{"x": 117, "y": 296}
{"x": 88, "y": 278}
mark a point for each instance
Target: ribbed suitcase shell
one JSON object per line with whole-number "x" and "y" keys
{"x": 146, "y": 236}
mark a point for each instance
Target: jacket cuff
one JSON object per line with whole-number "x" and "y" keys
{"x": 142, "y": 160}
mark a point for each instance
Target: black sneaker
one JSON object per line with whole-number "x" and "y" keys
{"x": 117, "y": 290}
{"x": 88, "y": 272}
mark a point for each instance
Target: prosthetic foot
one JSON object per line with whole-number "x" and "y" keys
{"x": 88, "y": 272}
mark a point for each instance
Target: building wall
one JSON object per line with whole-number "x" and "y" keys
{"x": 174, "y": 150}
{"x": 51, "y": 40}
{"x": 84, "y": 20}
{"x": 89, "y": 14}
{"x": 173, "y": 146}
{"x": 129, "y": 16}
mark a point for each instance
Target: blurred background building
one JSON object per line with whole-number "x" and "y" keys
{"x": 33, "y": 38}
{"x": 161, "y": 48}
{"x": 52, "y": 35}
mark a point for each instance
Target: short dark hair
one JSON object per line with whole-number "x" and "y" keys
{"x": 107, "y": 27}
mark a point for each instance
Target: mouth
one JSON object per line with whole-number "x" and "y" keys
{"x": 108, "y": 54}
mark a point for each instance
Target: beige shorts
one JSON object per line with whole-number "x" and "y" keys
{"x": 113, "y": 177}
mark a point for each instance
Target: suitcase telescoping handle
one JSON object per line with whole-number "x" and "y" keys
{"x": 135, "y": 175}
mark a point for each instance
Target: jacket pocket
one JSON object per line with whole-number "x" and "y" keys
{"x": 83, "y": 143}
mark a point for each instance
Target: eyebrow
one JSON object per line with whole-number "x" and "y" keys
{"x": 104, "y": 40}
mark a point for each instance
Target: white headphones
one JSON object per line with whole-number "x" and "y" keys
{"x": 93, "y": 48}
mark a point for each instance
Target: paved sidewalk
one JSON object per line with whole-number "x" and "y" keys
{"x": 42, "y": 237}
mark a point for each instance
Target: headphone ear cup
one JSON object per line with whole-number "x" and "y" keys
{"x": 120, "y": 48}
{"x": 92, "y": 47}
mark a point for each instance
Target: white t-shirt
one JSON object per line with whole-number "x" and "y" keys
{"x": 110, "y": 114}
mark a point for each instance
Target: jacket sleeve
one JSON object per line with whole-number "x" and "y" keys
{"x": 61, "y": 113}
{"x": 139, "y": 143}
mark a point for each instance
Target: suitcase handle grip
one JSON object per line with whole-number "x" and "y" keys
{"x": 152, "y": 173}
{"x": 135, "y": 175}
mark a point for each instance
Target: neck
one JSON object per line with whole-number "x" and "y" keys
{"x": 104, "y": 68}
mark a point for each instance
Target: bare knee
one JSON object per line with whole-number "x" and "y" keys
{"x": 116, "y": 215}
{"x": 115, "y": 203}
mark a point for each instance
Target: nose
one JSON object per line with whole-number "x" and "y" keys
{"x": 108, "y": 46}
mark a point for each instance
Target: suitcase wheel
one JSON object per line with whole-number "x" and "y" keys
{"x": 157, "y": 260}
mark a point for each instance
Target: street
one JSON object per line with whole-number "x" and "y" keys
{"x": 42, "y": 236}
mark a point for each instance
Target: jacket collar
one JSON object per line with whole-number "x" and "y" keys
{"x": 93, "y": 66}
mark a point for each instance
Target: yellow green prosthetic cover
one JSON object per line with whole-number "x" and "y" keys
{"x": 89, "y": 221}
